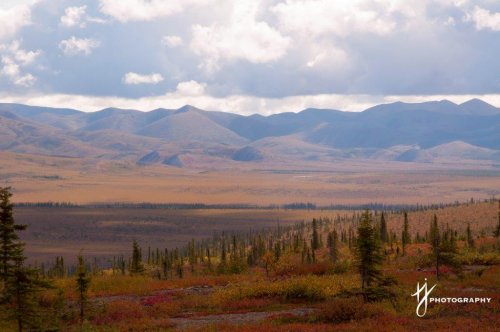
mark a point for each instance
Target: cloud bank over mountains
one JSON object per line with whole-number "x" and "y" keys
{"x": 248, "y": 56}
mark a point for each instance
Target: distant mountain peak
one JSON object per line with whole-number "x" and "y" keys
{"x": 150, "y": 158}
{"x": 187, "y": 108}
{"x": 476, "y": 101}
{"x": 479, "y": 107}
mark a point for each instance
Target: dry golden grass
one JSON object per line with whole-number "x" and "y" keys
{"x": 482, "y": 218}
{"x": 41, "y": 178}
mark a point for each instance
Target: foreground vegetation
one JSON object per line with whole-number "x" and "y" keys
{"x": 353, "y": 272}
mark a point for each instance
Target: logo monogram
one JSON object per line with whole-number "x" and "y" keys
{"x": 422, "y": 295}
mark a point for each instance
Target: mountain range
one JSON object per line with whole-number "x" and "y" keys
{"x": 429, "y": 132}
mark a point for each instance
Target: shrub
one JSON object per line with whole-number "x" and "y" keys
{"x": 164, "y": 309}
{"x": 346, "y": 309}
{"x": 301, "y": 289}
{"x": 311, "y": 288}
{"x": 288, "y": 265}
{"x": 476, "y": 258}
{"x": 118, "y": 311}
{"x": 247, "y": 304}
{"x": 318, "y": 269}
{"x": 341, "y": 267}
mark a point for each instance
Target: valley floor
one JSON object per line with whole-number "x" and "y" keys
{"x": 36, "y": 178}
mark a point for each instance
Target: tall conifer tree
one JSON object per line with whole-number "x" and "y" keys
{"x": 368, "y": 252}
{"x": 11, "y": 248}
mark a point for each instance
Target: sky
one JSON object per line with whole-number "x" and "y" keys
{"x": 248, "y": 56}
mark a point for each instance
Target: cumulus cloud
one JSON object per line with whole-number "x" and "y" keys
{"x": 74, "y": 16}
{"x": 139, "y": 10}
{"x": 22, "y": 56}
{"x": 190, "y": 88}
{"x": 12, "y": 70}
{"x": 244, "y": 38}
{"x": 172, "y": 41}
{"x": 484, "y": 19}
{"x": 26, "y": 80}
{"x": 145, "y": 10}
{"x": 26, "y": 57}
{"x": 317, "y": 17}
{"x": 74, "y": 46}
{"x": 134, "y": 78}
{"x": 14, "y": 59}
{"x": 13, "y": 19}
{"x": 327, "y": 55}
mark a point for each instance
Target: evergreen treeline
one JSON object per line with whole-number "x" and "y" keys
{"x": 395, "y": 208}
{"x": 229, "y": 252}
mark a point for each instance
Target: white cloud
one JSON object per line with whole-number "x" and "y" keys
{"x": 25, "y": 80}
{"x": 172, "y": 41}
{"x": 327, "y": 55}
{"x": 190, "y": 88}
{"x": 484, "y": 19}
{"x": 13, "y": 19}
{"x": 317, "y": 17}
{"x": 23, "y": 57}
{"x": 450, "y": 21}
{"x": 12, "y": 70}
{"x": 73, "y": 45}
{"x": 134, "y": 78}
{"x": 73, "y": 16}
{"x": 139, "y": 10}
{"x": 244, "y": 38}
{"x": 13, "y": 59}
{"x": 97, "y": 20}
{"x": 240, "y": 104}
{"x": 145, "y": 10}
{"x": 27, "y": 57}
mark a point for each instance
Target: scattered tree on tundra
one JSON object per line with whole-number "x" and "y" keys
{"x": 405, "y": 236}
{"x": 82, "y": 285}
{"x": 11, "y": 248}
{"x": 136, "y": 265}
{"x": 496, "y": 233}
{"x": 21, "y": 284}
{"x": 367, "y": 250}
{"x": 469, "y": 238}
{"x": 435, "y": 241}
{"x": 333, "y": 246}
{"x": 384, "y": 234}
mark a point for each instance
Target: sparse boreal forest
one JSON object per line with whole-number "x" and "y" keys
{"x": 355, "y": 270}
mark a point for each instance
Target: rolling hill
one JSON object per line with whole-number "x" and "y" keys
{"x": 430, "y": 132}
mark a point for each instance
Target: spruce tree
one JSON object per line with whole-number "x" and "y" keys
{"x": 470, "y": 239}
{"x": 435, "y": 242}
{"x": 11, "y": 249}
{"x": 496, "y": 233}
{"x": 333, "y": 245}
{"x": 136, "y": 264}
{"x": 21, "y": 284}
{"x": 315, "y": 236}
{"x": 368, "y": 252}
{"x": 21, "y": 291}
{"x": 405, "y": 236}
{"x": 82, "y": 286}
{"x": 384, "y": 234}
{"x": 277, "y": 251}
{"x": 209, "y": 260}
